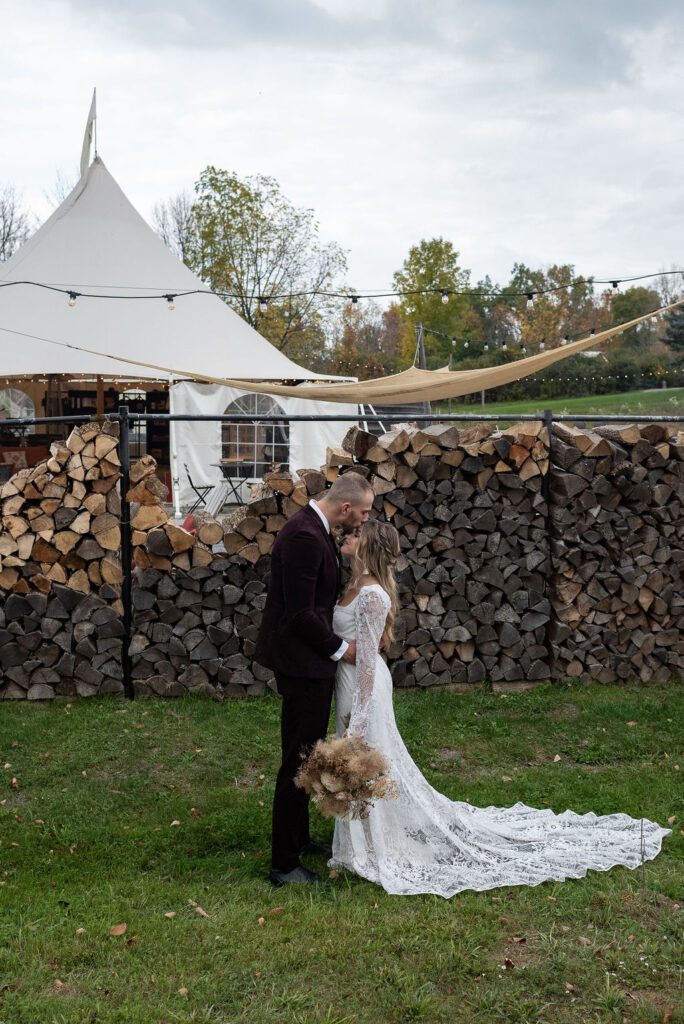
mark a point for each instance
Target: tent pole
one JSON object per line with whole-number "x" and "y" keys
{"x": 173, "y": 451}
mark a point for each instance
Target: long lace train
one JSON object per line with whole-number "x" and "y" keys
{"x": 422, "y": 842}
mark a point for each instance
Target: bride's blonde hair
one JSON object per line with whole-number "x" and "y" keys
{"x": 376, "y": 553}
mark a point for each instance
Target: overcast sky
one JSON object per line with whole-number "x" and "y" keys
{"x": 521, "y": 130}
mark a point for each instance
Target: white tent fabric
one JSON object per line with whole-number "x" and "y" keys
{"x": 96, "y": 243}
{"x": 199, "y": 443}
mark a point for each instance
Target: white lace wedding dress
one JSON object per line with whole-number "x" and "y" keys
{"x": 422, "y": 842}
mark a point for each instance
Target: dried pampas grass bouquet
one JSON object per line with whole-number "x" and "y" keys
{"x": 345, "y": 776}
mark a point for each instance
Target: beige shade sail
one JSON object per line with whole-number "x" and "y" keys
{"x": 411, "y": 385}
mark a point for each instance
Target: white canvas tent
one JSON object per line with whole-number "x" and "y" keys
{"x": 96, "y": 244}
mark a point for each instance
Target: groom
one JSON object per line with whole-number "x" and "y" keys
{"x": 296, "y": 640}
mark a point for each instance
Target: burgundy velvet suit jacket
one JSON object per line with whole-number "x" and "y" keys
{"x": 296, "y": 636}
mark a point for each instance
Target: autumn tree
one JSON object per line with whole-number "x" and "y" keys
{"x": 263, "y": 255}
{"x": 553, "y": 304}
{"x": 15, "y": 223}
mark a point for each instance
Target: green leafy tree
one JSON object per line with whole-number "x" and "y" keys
{"x": 674, "y": 330}
{"x": 431, "y": 269}
{"x": 630, "y": 304}
{"x": 245, "y": 238}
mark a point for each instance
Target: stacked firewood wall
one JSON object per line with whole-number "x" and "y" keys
{"x": 61, "y": 623}
{"x": 617, "y": 545}
{"x": 471, "y": 515}
{"x": 517, "y": 563}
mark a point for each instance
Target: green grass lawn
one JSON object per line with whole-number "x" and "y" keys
{"x": 157, "y": 815}
{"x": 634, "y": 403}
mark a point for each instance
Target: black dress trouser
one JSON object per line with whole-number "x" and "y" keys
{"x": 304, "y": 720}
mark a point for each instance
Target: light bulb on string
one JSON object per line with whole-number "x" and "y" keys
{"x": 523, "y": 350}
{"x": 592, "y": 332}
{"x": 565, "y": 340}
{"x": 72, "y": 298}
{"x": 169, "y": 300}
{"x": 263, "y": 303}
{"x": 615, "y": 287}
{"x": 445, "y": 296}
{"x": 504, "y": 347}
{"x": 542, "y": 343}
{"x": 486, "y": 346}
{"x": 354, "y": 299}
{"x": 466, "y": 344}
{"x": 530, "y": 300}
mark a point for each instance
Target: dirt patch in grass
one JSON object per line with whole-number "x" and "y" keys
{"x": 563, "y": 711}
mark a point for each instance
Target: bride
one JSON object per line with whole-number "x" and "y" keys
{"x": 422, "y": 842}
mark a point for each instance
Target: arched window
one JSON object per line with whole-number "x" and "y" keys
{"x": 253, "y": 448}
{"x": 14, "y": 404}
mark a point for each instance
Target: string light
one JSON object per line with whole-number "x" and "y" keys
{"x": 615, "y": 287}
{"x": 530, "y": 300}
{"x": 444, "y": 292}
{"x": 263, "y": 303}
{"x": 169, "y": 299}
{"x": 354, "y": 298}
{"x": 72, "y": 298}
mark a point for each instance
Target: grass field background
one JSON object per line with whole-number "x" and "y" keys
{"x": 669, "y": 402}
{"x": 156, "y": 815}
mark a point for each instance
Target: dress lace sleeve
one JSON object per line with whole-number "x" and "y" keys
{"x": 371, "y": 612}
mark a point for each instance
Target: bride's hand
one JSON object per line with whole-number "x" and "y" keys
{"x": 350, "y": 654}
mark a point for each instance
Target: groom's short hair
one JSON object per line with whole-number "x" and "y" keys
{"x": 351, "y": 487}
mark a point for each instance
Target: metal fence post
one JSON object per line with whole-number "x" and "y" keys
{"x": 546, "y": 492}
{"x": 125, "y": 457}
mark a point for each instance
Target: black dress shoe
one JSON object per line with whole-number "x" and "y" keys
{"x": 320, "y": 849}
{"x": 298, "y": 876}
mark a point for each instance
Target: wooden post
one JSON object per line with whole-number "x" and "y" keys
{"x": 99, "y": 407}
{"x": 422, "y": 365}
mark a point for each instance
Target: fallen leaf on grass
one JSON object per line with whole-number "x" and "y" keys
{"x": 193, "y": 810}
{"x": 171, "y": 913}
{"x": 668, "y": 1014}
{"x": 509, "y": 963}
{"x": 519, "y": 938}
{"x": 118, "y": 929}
{"x": 177, "y": 714}
{"x": 181, "y": 991}
{"x": 565, "y": 927}
{"x": 202, "y": 913}
{"x": 569, "y": 987}
{"x": 192, "y": 903}
{"x": 506, "y": 778}
{"x": 552, "y": 898}
{"x": 262, "y": 920}
{"x": 80, "y": 931}
{"x": 557, "y": 757}
{"x": 175, "y": 823}
{"x": 58, "y": 983}
{"x": 631, "y": 723}
{"x": 671, "y": 820}
{"x": 504, "y": 920}
{"x": 585, "y": 942}
{"x": 334, "y": 874}
{"x": 15, "y": 784}
{"x": 275, "y": 911}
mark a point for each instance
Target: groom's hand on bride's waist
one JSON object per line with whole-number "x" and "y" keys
{"x": 350, "y": 654}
